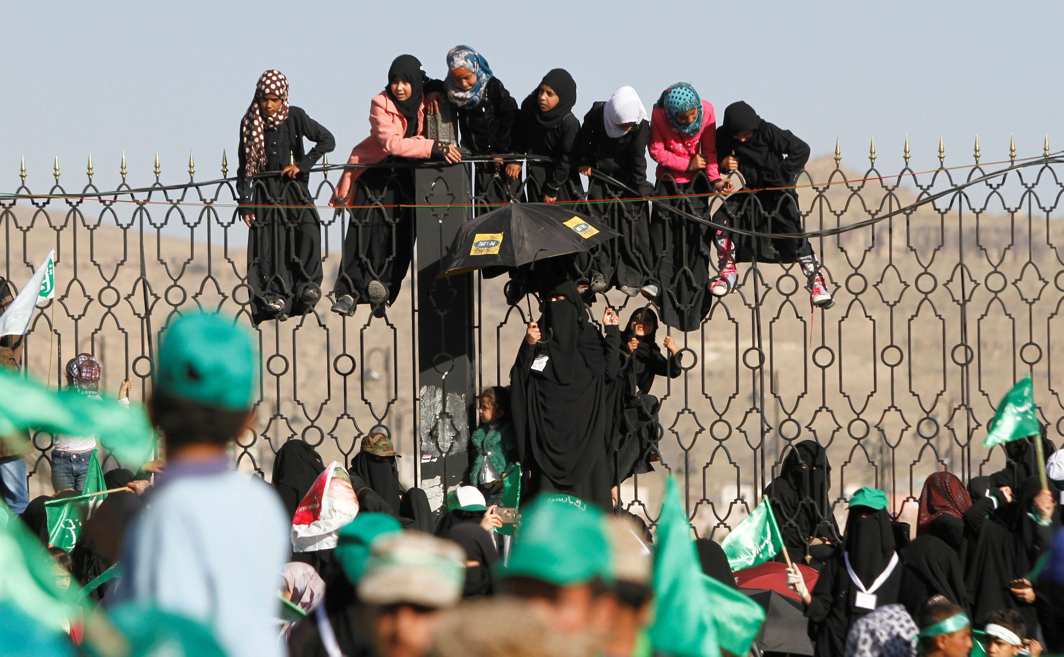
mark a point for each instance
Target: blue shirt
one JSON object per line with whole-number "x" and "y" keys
{"x": 211, "y": 545}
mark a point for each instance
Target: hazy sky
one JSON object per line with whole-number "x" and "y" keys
{"x": 176, "y": 77}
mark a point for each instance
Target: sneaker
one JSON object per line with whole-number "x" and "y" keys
{"x": 376, "y": 293}
{"x": 630, "y": 290}
{"x": 818, "y": 292}
{"x": 274, "y": 303}
{"x": 344, "y": 305}
{"x": 599, "y": 283}
{"x": 650, "y": 291}
{"x": 310, "y": 295}
{"x": 723, "y": 284}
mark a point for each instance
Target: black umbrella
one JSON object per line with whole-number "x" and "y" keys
{"x": 785, "y": 624}
{"x": 522, "y": 233}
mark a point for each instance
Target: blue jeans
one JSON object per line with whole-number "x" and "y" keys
{"x": 69, "y": 469}
{"x": 15, "y": 484}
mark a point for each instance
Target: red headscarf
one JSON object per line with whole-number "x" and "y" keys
{"x": 944, "y": 494}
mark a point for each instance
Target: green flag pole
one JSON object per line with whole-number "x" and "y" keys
{"x": 1041, "y": 462}
{"x": 786, "y": 554}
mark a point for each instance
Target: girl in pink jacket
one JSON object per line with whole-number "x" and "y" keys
{"x": 380, "y": 236}
{"x": 683, "y": 136}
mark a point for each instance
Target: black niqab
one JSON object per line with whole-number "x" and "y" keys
{"x": 407, "y": 68}
{"x": 714, "y": 561}
{"x": 869, "y": 542}
{"x": 563, "y": 84}
{"x": 381, "y": 473}
{"x": 478, "y": 546}
{"x": 800, "y": 497}
{"x": 295, "y": 468}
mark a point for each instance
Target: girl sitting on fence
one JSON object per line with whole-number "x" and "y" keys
{"x": 284, "y": 245}
{"x": 380, "y": 235}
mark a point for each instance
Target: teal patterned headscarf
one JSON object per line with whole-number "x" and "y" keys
{"x": 679, "y": 99}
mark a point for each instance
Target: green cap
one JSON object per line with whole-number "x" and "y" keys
{"x": 207, "y": 358}
{"x": 354, "y": 539}
{"x": 465, "y": 498}
{"x": 872, "y": 498}
{"x": 560, "y": 543}
{"x": 152, "y": 631}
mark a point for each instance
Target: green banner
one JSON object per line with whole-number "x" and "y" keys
{"x": 1016, "y": 417}
{"x": 755, "y": 540}
{"x": 738, "y": 618}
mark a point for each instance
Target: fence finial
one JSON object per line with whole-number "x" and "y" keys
{"x": 123, "y": 169}
{"x": 191, "y": 166}
{"x": 89, "y": 170}
{"x": 872, "y": 150}
{"x": 157, "y": 167}
{"x": 941, "y": 150}
{"x": 976, "y": 151}
{"x": 56, "y": 171}
{"x": 1012, "y": 150}
{"x": 1045, "y": 147}
{"x": 22, "y": 173}
{"x": 906, "y": 152}
{"x": 225, "y": 164}
{"x": 838, "y": 152}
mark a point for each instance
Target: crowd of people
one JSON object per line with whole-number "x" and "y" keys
{"x": 535, "y": 151}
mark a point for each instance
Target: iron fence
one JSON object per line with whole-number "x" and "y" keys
{"x": 940, "y": 307}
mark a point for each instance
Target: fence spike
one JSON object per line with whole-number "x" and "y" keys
{"x": 1045, "y": 147}
{"x": 225, "y": 164}
{"x": 157, "y": 168}
{"x": 941, "y": 150}
{"x": 89, "y": 170}
{"x": 22, "y": 169}
{"x": 976, "y": 151}
{"x": 872, "y": 150}
{"x": 906, "y": 151}
{"x": 838, "y": 152}
{"x": 1012, "y": 149}
{"x": 56, "y": 171}
{"x": 123, "y": 169}
{"x": 191, "y": 166}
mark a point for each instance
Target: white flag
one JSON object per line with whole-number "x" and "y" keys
{"x": 16, "y": 319}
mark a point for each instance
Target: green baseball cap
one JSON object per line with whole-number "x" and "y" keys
{"x": 354, "y": 540}
{"x": 207, "y": 358}
{"x": 871, "y": 498}
{"x": 465, "y": 498}
{"x": 560, "y": 543}
{"x": 152, "y": 631}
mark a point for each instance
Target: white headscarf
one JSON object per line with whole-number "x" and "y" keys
{"x": 624, "y": 106}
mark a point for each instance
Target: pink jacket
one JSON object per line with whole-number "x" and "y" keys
{"x": 673, "y": 150}
{"x": 386, "y": 129}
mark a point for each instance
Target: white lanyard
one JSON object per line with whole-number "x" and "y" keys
{"x": 879, "y": 580}
{"x": 325, "y": 631}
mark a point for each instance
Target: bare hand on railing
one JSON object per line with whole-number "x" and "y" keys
{"x": 290, "y": 170}
{"x": 513, "y": 170}
{"x": 670, "y": 345}
{"x": 550, "y": 199}
{"x": 609, "y": 317}
{"x": 722, "y": 185}
{"x": 533, "y": 335}
{"x": 432, "y": 103}
{"x": 584, "y": 171}
{"x": 697, "y": 163}
{"x": 248, "y": 217}
{"x": 729, "y": 163}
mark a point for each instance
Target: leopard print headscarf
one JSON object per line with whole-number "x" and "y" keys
{"x": 254, "y": 124}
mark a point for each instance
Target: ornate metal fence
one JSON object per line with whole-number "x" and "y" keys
{"x": 939, "y": 309}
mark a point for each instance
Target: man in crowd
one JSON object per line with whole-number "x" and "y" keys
{"x": 945, "y": 630}
{"x": 213, "y": 541}
{"x": 631, "y": 590}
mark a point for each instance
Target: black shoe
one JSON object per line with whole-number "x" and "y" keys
{"x": 344, "y": 305}
{"x": 310, "y": 295}
{"x": 380, "y": 310}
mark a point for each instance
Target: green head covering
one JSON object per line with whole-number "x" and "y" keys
{"x": 207, "y": 358}
{"x": 21, "y": 636}
{"x": 561, "y": 543}
{"x": 355, "y": 538}
{"x": 151, "y": 631}
{"x": 872, "y": 498}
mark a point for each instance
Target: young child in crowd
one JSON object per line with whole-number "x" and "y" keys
{"x": 379, "y": 244}
{"x": 1006, "y": 635}
{"x": 547, "y": 127}
{"x": 683, "y": 141}
{"x": 767, "y": 156}
{"x": 613, "y": 141}
{"x": 284, "y": 244}
{"x": 493, "y": 443}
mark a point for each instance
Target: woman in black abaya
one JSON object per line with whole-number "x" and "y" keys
{"x": 295, "y": 468}
{"x": 800, "y": 503}
{"x": 858, "y": 579}
{"x": 563, "y": 393}
{"x": 481, "y": 556}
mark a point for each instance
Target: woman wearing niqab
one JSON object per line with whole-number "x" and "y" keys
{"x": 800, "y": 502}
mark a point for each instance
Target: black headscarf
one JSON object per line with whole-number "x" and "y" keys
{"x": 1021, "y": 461}
{"x": 714, "y": 561}
{"x": 563, "y": 84}
{"x": 478, "y": 547}
{"x": 407, "y": 68}
{"x": 35, "y": 518}
{"x": 100, "y": 542}
{"x": 740, "y": 117}
{"x": 869, "y": 542}
{"x": 117, "y": 478}
{"x": 295, "y": 468}
{"x": 800, "y": 496}
{"x": 381, "y": 473}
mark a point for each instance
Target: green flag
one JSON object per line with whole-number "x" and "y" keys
{"x": 737, "y": 618}
{"x": 26, "y": 404}
{"x": 29, "y": 579}
{"x": 755, "y": 540}
{"x": 66, "y": 515}
{"x": 1016, "y": 417}
{"x": 682, "y": 626}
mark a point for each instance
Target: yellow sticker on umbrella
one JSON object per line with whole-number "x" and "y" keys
{"x": 581, "y": 227}
{"x": 486, "y": 244}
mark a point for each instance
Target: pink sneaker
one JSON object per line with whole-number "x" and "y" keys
{"x": 819, "y": 293}
{"x": 723, "y": 283}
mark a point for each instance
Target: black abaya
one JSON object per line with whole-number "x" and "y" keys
{"x": 682, "y": 250}
{"x": 295, "y": 468}
{"x": 931, "y": 567}
{"x": 380, "y": 473}
{"x": 714, "y": 562}
{"x": 800, "y": 500}
{"x": 479, "y": 547}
